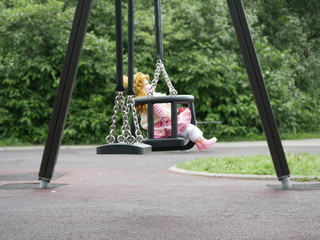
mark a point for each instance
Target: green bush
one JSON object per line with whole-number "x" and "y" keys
{"x": 32, "y": 46}
{"x": 201, "y": 55}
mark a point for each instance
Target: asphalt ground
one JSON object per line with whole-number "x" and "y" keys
{"x": 137, "y": 197}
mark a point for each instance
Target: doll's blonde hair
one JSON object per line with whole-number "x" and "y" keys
{"x": 139, "y": 81}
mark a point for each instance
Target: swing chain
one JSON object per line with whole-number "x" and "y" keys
{"x": 161, "y": 69}
{"x": 131, "y": 103}
{"x": 172, "y": 90}
{"x": 119, "y": 102}
{"x": 126, "y": 135}
{"x": 155, "y": 79}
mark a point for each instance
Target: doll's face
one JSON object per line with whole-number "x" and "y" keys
{"x": 147, "y": 86}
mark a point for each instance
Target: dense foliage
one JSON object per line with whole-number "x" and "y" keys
{"x": 202, "y": 58}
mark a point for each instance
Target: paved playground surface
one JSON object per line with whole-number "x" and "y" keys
{"x": 138, "y": 197}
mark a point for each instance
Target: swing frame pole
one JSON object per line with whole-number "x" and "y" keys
{"x": 70, "y": 67}
{"x": 64, "y": 92}
{"x": 259, "y": 91}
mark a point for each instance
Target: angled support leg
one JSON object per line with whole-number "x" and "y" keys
{"x": 63, "y": 97}
{"x": 259, "y": 91}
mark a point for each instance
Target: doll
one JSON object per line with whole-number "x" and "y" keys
{"x": 162, "y": 115}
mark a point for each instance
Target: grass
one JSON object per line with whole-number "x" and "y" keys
{"x": 303, "y": 164}
{"x": 297, "y": 136}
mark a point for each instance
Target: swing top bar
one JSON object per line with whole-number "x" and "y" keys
{"x": 165, "y": 99}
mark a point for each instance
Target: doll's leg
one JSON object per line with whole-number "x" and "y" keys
{"x": 192, "y": 133}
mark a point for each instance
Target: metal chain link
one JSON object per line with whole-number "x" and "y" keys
{"x": 155, "y": 79}
{"x": 119, "y": 102}
{"x": 126, "y": 135}
{"x": 172, "y": 90}
{"x": 131, "y": 104}
{"x": 161, "y": 69}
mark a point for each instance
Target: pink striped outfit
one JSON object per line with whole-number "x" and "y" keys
{"x": 162, "y": 120}
{"x": 162, "y": 129}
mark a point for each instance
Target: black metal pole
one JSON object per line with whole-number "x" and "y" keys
{"x": 150, "y": 120}
{"x": 119, "y": 46}
{"x": 130, "y": 47}
{"x": 158, "y": 24}
{"x": 174, "y": 120}
{"x": 62, "y": 100}
{"x": 259, "y": 88}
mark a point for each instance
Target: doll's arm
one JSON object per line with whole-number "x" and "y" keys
{"x": 161, "y": 112}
